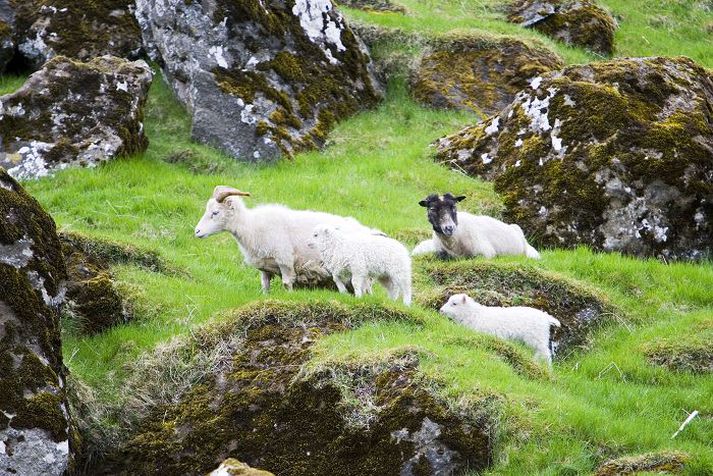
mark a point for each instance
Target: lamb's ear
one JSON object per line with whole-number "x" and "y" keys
{"x": 424, "y": 203}
{"x": 459, "y": 198}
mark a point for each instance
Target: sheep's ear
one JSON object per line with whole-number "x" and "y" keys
{"x": 459, "y": 198}
{"x": 424, "y": 203}
{"x": 465, "y": 298}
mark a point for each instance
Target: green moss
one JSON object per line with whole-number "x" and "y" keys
{"x": 664, "y": 462}
{"x": 43, "y": 411}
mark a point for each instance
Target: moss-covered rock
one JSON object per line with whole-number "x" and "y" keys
{"x": 578, "y": 308}
{"x": 74, "y": 113}
{"x": 576, "y": 22}
{"x": 481, "y": 74}
{"x": 80, "y": 30}
{"x": 261, "y": 402}
{"x": 373, "y": 5}
{"x": 233, "y": 467}
{"x": 261, "y": 79}
{"x": 617, "y": 155}
{"x": 93, "y": 302}
{"x": 658, "y": 463}
{"x": 34, "y": 422}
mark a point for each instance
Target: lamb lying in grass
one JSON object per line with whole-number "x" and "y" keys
{"x": 525, "y": 324}
{"x": 364, "y": 257}
{"x": 460, "y": 234}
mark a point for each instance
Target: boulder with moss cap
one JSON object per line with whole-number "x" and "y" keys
{"x": 261, "y": 79}
{"x": 575, "y": 22}
{"x": 616, "y": 155}
{"x": 35, "y": 429}
{"x": 481, "y": 74}
{"x": 74, "y": 113}
{"x": 76, "y": 29}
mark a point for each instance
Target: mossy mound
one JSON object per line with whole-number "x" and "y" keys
{"x": 578, "y": 308}
{"x": 81, "y": 30}
{"x": 691, "y": 352}
{"x": 34, "y": 423}
{"x": 74, "y": 113}
{"x": 615, "y": 155}
{"x": 575, "y": 22}
{"x": 481, "y": 74}
{"x": 262, "y": 80}
{"x": 262, "y": 403}
{"x": 94, "y": 304}
{"x": 658, "y": 463}
{"x": 373, "y": 5}
{"x": 233, "y": 467}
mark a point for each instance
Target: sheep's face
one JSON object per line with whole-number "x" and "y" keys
{"x": 320, "y": 236}
{"x": 215, "y": 219}
{"x": 442, "y": 212}
{"x": 457, "y": 306}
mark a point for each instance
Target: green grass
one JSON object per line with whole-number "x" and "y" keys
{"x": 596, "y": 404}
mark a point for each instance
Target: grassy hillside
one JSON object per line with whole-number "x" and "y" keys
{"x": 606, "y": 401}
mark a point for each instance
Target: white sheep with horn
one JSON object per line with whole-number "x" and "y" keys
{"x": 272, "y": 238}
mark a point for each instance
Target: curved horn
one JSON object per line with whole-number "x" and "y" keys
{"x": 222, "y": 192}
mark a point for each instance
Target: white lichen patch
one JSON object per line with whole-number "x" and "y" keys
{"x": 486, "y": 159}
{"x": 493, "y": 127}
{"x": 535, "y": 82}
{"x": 319, "y": 27}
{"x": 218, "y": 54}
{"x": 536, "y": 109}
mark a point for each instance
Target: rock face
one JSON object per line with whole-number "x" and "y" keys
{"x": 480, "y": 74}
{"x": 615, "y": 155}
{"x": 576, "y": 22}
{"x": 579, "y": 309}
{"x": 34, "y": 423}
{"x": 73, "y": 113}
{"x": 80, "y": 30}
{"x": 261, "y": 79}
{"x": 261, "y": 404}
{"x": 93, "y": 301}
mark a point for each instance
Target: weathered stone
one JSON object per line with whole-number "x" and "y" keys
{"x": 259, "y": 401}
{"x": 576, "y": 22}
{"x": 34, "y": 422}
{"x": 261, "y": 79}
{"x": 79, "y": 30}
{"x": 481, "y": 74}
{"x": 93, "y": 302}
{"x": 579, "y": 309}
{"x": 73, "y": 113}
{"x": 616, "y": 155}
{"x": 233, "y": 467}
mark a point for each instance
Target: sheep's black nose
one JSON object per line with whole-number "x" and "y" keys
{"x": 448, "y": 230}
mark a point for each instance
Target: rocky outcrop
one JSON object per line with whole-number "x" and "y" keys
{"x": 34, "y": 423}
{"x": 616, "y": 155}
{"x": 481, "y": 74}
{"x": 233, "y": 467}
{"x": 575, "y": 22}
{"x": 579, "y": 309}
{"x": 261, "y": 79}
{"x": 94, "y": 304}
{"x": 80, "y": 30}
{"x": 74, "y": 113}
{"x": 257, "y": 400}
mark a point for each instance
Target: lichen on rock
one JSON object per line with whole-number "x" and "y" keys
{"x": 74, "y": 113}
{"x": 260, "y": 79}
{"x": 478, "y": 73}
{"x": 262, "y": 402}
{"x": 80, "y": 30}
{"x": 575, "y": 22}
{"x": 34, "y": 423}
{"x": 616, "y": 155}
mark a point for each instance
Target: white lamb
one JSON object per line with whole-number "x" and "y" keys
{"x": 272, "y": 238}
{"x": 525, "y": 324}
{"x": 460, "y": 234}
{"x": 364, "y": 257}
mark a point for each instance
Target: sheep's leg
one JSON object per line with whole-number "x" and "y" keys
{"x": 358, "y": 284}
{"x": 265, "y": 277}
{"x": 340, "y": 284}
{"x": 288, "y": 276}
{"x": 391, "y": 287}
{"x": 406, "y": 291}
{"x": 543, "y": 353}
{"x": 488, "y": 251}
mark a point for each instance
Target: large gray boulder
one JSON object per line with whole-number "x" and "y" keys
{"x": 616, "y": 155}
{"x": 74, "y": 113}
{"x": 77, "y": 29}
{"x": 34, "y": 422}
{"x": 261, "y": 79}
